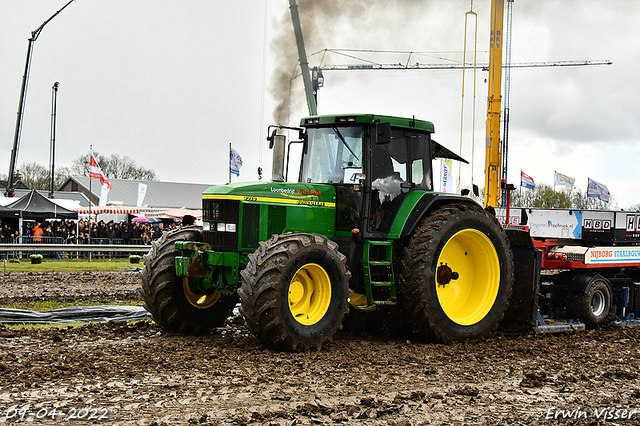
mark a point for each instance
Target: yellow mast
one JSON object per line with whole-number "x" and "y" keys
{"x": 493, "y": 160}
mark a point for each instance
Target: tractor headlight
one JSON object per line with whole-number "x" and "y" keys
{"x": 226, "y": 227}
{"x": 206, "y": 226}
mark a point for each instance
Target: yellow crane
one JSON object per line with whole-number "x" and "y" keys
{"x": 493, "y": 154}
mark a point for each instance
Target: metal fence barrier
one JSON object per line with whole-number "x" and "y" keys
{"x": 71, "y": 250}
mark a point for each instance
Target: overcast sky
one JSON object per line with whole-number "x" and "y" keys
{"x": 171, "y": 84}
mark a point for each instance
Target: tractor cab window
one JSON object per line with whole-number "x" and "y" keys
{"x": 396, "y": 168}
{"x": 334, "y": 155}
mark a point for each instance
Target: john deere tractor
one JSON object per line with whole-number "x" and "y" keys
{"x": 361, "y": 229}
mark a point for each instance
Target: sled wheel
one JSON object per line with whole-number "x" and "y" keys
{"x": 294, "y": 291}
{"x": 457, "y": 274}
{"x": 168, "y": 297}
{"x": 591, "y": 307}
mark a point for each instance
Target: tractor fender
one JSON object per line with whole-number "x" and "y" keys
{"x": 580, "y": 282}
{"x": 428, "y": 202}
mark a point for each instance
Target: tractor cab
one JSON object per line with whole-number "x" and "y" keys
{"x": 373, "y": 161}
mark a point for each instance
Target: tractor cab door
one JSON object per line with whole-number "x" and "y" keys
{"x": 395, "y": 169}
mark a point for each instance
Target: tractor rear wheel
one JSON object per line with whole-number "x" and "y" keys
{"x": 169, "y": 298}
{"x": 457, "y": 274}
{"x": 294, "y": 291}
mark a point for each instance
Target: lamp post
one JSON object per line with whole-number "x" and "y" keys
{"x": 52, "y": 146}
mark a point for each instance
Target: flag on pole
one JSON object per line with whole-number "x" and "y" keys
{"x": 446, "y": 182}
{"x": 96, "y": 172}
{"x": 563, "y": 180}
{"x": 526, "y": 181}
{"x": 142, "y": 191}
{"x": 235, "y": 162}
{"x": 598, "y": 190}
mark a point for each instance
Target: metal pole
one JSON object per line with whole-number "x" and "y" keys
{"x": 90, "y": 194}
{"x": 52, "y": 149}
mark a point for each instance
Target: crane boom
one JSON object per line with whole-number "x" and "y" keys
{"x": 484, "y": 67}
{"x": 302, "y": 54}
{"x": 9, "y": 191}
{"x": 493, "y": 158}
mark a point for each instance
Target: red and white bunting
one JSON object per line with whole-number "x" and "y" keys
{"x": 107, "y": 210}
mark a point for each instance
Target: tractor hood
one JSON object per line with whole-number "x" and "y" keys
{"x": 275, "y": 193}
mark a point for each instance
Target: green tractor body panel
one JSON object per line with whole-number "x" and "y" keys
{"x": 238, "y": 216}
{"x": 267, "y": 208}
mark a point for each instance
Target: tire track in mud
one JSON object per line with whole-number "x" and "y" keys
{"x": 143, "y": 376}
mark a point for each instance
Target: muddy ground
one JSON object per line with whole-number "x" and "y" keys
{"x": 136, "y": 374}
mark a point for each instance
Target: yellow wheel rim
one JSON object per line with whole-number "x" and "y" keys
{"x": 200, "y": 301}
{"x": 467, "y": 277}
{"x": 309, "y": 294}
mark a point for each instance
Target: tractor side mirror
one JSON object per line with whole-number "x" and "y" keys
{"x": 305, "y": 141}
{"x": 382, "y": 133}
{"x": 272, "y": 137}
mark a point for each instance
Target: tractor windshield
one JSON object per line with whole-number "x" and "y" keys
{"x": 334, "y": 155}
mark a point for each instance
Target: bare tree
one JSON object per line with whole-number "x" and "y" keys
{"x": 113, "y": 166}
{"x": 37, "y": 176}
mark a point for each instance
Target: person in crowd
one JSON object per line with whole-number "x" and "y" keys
{"x": 72, "y": 238}
{"x": 110, "y": 233}
{"x": 188, "y": 220}
{"x": 145, "y": 237}
{"x": 126, "y": 234}
{"x": 48, "y": 234}
{"x": 157, "y": 233}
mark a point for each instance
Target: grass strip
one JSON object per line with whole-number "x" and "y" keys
{"x": 69, "y": 265}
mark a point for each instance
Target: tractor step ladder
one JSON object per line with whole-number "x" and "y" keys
{"x": 381, "y": 266}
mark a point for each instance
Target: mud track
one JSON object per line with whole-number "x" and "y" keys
{"x": 136, "y": 374}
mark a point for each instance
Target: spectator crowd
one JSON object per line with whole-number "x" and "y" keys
{"x": 84, "y": 232}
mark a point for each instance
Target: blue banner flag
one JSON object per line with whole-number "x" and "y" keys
{"x": 598, "y": 190}
{"x": 235, "y": 162}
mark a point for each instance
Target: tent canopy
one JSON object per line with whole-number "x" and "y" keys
{"x": 6, "y": 212}
{"x": 35, "y": 206}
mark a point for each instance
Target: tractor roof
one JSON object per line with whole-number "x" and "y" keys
{"x": 345, "y": 119}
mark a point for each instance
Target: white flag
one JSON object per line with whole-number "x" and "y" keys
{"x": 560, "y": 179}
{"x": 142, "y": 191}
{"x": 103, "y": 194}
{"x": 235, "y": 162}
{"x": 446, "y": 181}
{"x": 598, "y": 190}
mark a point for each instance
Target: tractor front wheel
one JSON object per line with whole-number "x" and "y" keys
{"x": 457, "y": 274}
{"x": 169, "y": 298}
{"x": 294, "y": 291}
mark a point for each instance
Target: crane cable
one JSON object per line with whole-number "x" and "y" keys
{"x": 464, "y": 64}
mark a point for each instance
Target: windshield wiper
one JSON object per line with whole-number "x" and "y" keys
{"x": 337, "y": 132}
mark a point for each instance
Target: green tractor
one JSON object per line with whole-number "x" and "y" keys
{"x": 362, "y": 228}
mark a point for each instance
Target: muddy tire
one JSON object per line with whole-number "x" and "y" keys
{"x": 591, "y": 307}
{"x": 457, "y": 274}
{"x": 294, "y": 291}
{"x": 168, "y": 298}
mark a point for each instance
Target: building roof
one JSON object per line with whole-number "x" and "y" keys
{"x": 165, "y": 195}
